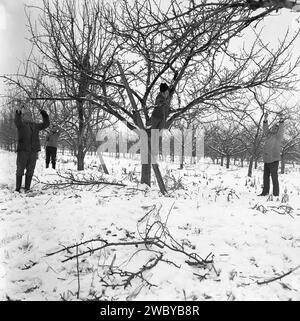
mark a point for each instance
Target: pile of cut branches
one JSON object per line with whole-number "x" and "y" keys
{"x": 153, "y": 239}
{"x": 75, "y": 180}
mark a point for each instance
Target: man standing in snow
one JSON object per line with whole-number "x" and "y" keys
{"x": 28, "y": 145}
{"x": 51, "y": 146}
{"x": 271, "y": 154}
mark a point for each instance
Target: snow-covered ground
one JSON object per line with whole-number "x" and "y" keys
{"x": 212, "y": 211}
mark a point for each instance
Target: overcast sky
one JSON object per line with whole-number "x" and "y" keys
{"x": 13, "y": 32}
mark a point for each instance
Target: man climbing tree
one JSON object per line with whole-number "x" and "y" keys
{"x": 162, "y": 108}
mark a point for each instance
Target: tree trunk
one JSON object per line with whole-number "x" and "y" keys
{"x": 182, "y": 151}
{"x": 160, "y": 149}
{"x": 159, "y": 179}
{"x": 146, "y": 169}
{"x": 250, "y": 167}
{"x": 80, "y": 158}
{"x": 227, "y": 161}
{"x": 282, "y": 169}
{"x": 80, "y": 146}
{"x": 172, "y": 149}
{"x": 255, "y": 164}
{"x": 222, "y": 161}
{"x": 102, "y": 166}
{"x": 146, "y": 174}
{"x": 242, "y": 162}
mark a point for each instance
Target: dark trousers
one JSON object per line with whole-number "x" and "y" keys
{"x": 26, "y": 160}
{"x": 157, "y": 123}
{"x": 271, "y": 169}
{"x": 51, "y": 154}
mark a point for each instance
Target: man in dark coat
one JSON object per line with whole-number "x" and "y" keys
{"x": 271, "y": 154}
{"x": 51, "y": 146}
{"x": 28, "y": 145}
{"x": 162, "y": 108}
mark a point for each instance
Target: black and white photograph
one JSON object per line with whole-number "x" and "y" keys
{"x": 150, "y": 151}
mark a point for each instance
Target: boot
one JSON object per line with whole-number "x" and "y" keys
{"x": 53, "y": 165}
{"x": 47, "y": 165}
{"x": 263, "y": 194}
{"x": 28, "y": 179}
{"x": 18, "y": 183}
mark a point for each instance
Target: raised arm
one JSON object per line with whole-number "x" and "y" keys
{"x": 45, "y": 122}
{"x": 280, "y": 128}
{"x": 265, "y": 125}
{"x": 18, "y": 119}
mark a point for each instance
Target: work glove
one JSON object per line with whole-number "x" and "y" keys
{"x": 282, "y": 116}
{"x": 44, "y": 113}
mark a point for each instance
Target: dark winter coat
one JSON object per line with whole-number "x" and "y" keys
{"x": 28, "y": 133}
{"x": 161, "y": 111}
{"x": 273, "y": 143}
{"x": 52, "y": 139}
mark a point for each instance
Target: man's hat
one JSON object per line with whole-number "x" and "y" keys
{"x": 163, "y": 87}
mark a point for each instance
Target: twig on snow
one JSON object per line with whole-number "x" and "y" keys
{"x": 78, "y": 277}
{"x": 278, "y": 277}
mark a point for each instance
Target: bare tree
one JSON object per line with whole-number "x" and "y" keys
{"x": 224, "y": 141}
{"x": 73, "y": 46}
{"x": 118, "y": 54}
{"x": 189, "y": 45}
{"x": 8, "y": 132}
{"x": 291, "y": 145}
{"x": 249, "y": 113}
